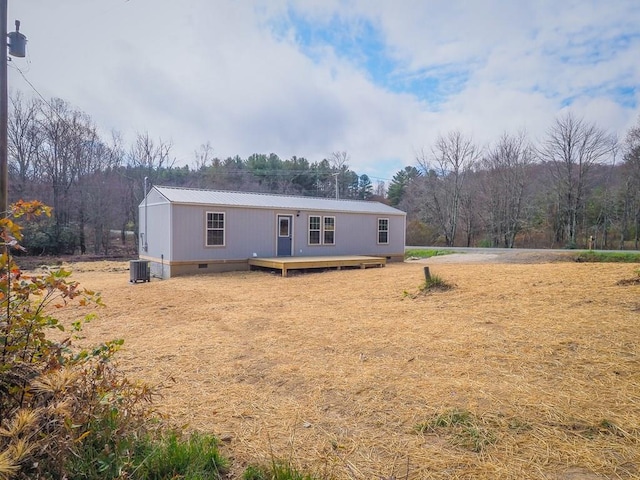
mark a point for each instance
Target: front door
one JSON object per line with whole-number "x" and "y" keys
{"x": 284, "y": 235}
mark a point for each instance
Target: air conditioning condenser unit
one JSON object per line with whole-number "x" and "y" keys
{"x": 139, "y": 271}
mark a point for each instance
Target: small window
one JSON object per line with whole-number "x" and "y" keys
{"x": 284, "y": 227}
{"x": 383, "y": 230}
{"x": 329, "y": 230}
{"x": 314, "y": 230}
{"x": 215, "y": 229}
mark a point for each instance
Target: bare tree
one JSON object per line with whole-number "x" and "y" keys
{"x": 505, "y": 179}
{"x": 203, "y": 157}
{"x": 66, "y": 136}
{"x": 146, "y": 159}
{"x": 98, "y": 190}
{"x": 631, "y": 193}
{"x": 470, "y": 212}
{"x": 339, "y": 160}
{"x": 149, "y": 155}
{"x": 24, "y": 139}
{"x": 340, "y": 165}
{"x": 444, "y": 174}
{"x": 571, "y": 149}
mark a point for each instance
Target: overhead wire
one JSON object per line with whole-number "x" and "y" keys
{"x": 40, "y": 95}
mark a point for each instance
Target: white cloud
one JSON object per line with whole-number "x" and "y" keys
{"x": 199, "y": 70}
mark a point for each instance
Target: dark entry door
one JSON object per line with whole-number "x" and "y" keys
{"x": 285, "y": 240}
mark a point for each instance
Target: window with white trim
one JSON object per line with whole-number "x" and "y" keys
{"x": 215, "y": 229}
{"x": 322, "y": 230}
{"x": 329, "y": 231}
{"x": 383, "y": 230}
{"x": 314, "y": 230}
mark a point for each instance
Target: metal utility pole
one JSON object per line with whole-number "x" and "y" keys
{"x": 16, "y": 46}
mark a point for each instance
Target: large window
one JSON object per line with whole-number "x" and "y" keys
{"x": 329, "y": 230}
{"x": 383, "y": 230}
{"x": 215, "y": 229}
{"x": 322, "y": 230}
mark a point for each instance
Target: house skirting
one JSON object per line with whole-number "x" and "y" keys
{"x": 161, "y": 268}
{"x": 164, "y": 269}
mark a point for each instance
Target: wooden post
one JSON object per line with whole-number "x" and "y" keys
{"x": 427, "y": 275}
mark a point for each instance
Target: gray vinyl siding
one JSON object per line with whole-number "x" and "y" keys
{"x": 158, "y": 228}
{"x": 176, "y": 229}
{"x": 355, "y": 234}
{"x": 247, "y": 231}
{"x": 253, "y": 231}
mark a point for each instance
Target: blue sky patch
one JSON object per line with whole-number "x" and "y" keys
{"x": 625, "y": 95}
{"x": 595, "y": 49}
{"x": 621, "y": 94}
{"x": 361, "y": 42}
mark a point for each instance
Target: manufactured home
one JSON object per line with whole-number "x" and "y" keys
{"x": 185, "y": 231}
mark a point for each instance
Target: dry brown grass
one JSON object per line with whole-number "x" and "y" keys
{"x": 336, "y": 370}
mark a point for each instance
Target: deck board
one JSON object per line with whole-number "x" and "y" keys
{"x": 301, "y": 263}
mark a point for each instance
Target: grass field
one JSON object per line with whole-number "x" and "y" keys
{"x": 519, "y": 371}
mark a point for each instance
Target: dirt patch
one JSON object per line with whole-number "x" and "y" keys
{"x": 335, "y": 370}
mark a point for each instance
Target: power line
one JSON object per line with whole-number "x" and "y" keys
{"x": 41, "y": 97}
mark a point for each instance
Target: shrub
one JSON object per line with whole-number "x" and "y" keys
{"x": 419, "y": 233}
{"x": 432, "y": 283}
{"x": 463, "y": 429}
{"x": 45, "y": 237}
{"x": 172, "y": 456}
{"x": 64, "y": 412}
{"x": 611, "y": 257}
{"x": 426, "y": 253}
{"x": 277, "y": 470}
{"x": 435, "y": 283}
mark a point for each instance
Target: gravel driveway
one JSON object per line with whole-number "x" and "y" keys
{"x": 500, "y": 256}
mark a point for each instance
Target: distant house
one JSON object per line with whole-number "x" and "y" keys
{"x": 185, "y": 231}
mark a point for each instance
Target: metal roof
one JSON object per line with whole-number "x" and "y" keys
{"x": 264, "y": 200}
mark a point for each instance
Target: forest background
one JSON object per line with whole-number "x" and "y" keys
{"x": 577, "y": 187}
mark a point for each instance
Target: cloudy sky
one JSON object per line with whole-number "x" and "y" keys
{"x": 379, "y": 79}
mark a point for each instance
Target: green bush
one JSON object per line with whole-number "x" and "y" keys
{"x": 485, "y": 243}
{"x": 610, "y": 257}
{"x": 277, "y": 470}
{"x": 426, "y": 253}
{"x": 435, "y": 283}
{"x": 45, "y": 237}
{"x": 172, "y": 456}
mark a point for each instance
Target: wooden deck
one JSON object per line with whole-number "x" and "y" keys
{"x": 301, "y": 263}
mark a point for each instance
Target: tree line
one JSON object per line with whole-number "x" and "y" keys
{"x": 95, "y": 183}
{"x": 579, "y": 186}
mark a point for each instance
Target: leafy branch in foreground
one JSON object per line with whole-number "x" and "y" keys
{"x": 53, "y": 397}
{"x": 67, "y": 412}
